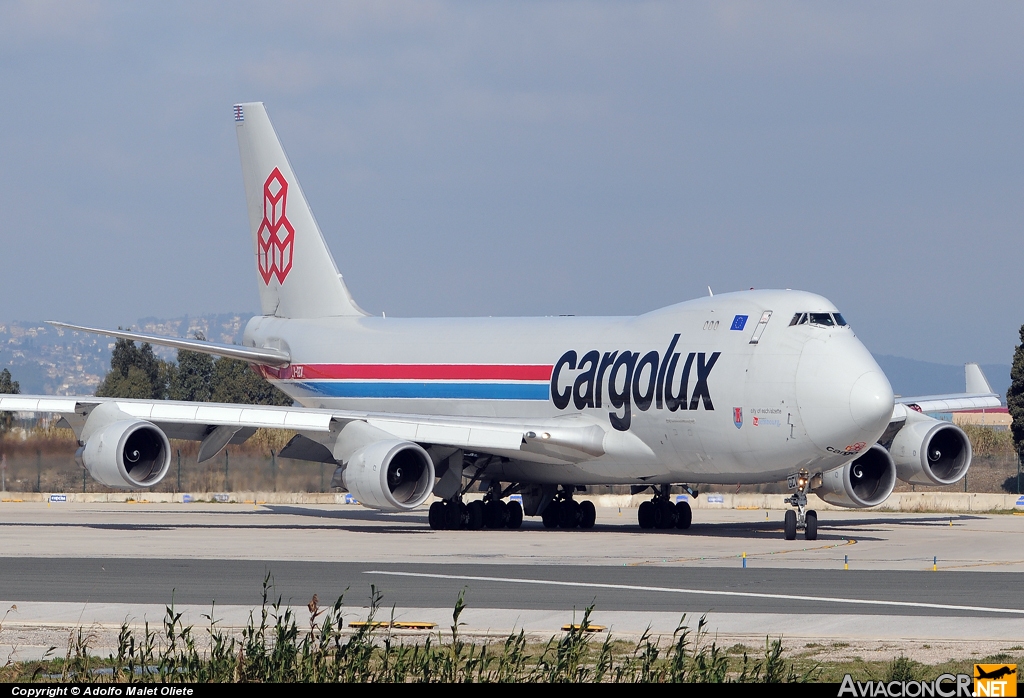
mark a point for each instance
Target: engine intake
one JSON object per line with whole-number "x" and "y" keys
{"x": 390, "y": 474}
{"x": 931, "y": 452}
{"x": 864, "y": 482}
{"x": 129, "y": 454}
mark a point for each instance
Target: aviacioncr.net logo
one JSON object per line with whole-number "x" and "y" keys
{"x": 995, "y": 680}
{"x": 276, "y": 236}
{"x": 945, "y": 686}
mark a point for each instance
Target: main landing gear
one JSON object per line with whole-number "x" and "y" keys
{"x": 490, "y": 512}
{"x": 661, "y": 512}
{"x": 803, "y": 518}
{"x": 565, "y": 512}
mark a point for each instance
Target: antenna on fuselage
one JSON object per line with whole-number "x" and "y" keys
{"x": 710, "y": 292}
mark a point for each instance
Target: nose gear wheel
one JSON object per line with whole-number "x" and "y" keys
{"x": 803, "y": 518}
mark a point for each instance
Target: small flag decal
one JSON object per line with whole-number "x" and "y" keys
{"x": 239, "y": 116}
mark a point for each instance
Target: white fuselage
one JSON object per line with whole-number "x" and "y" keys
{"x": 684, "y": 393}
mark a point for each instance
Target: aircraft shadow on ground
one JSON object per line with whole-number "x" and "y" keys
{"x": 369, "y": 521}
{"x": 864, "y": 529}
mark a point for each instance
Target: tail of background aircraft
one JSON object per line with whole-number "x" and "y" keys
{"x": 976, "y": 380}
{"x": 296, "y": 274}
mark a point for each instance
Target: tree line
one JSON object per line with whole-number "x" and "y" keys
{"x": 136, "y": 372}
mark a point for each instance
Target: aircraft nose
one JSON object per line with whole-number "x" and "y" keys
{"x": 871, "y": 401}
{"x": 842, "y": 395}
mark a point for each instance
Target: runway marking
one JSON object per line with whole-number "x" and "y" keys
{"x": 704, "y": 592}
{"x": 849, "y": 541}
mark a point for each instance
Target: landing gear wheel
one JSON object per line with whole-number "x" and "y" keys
{"x": 569, "y": 514}
{"x": 476, "y": 513}
{"x": 515, "y": 515}
{"x": 452, "y": 518}
{"x": 645, "y": 514}
{"x": 588, "y": 514}
{"x": 550, "y": 514}
{"x": 684, "y": 515}
{"x": 495, "y": 514}
{"x": 811, "y": 525}
{"x": 435, "y": 515}
{"x": 790, "y": 525}
{"x": 664, "y": 514}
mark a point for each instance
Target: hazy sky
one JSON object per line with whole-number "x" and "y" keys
{"x": 528, "y": 158}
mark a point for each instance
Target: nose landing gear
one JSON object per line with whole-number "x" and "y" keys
{"x": 803, "y": 518}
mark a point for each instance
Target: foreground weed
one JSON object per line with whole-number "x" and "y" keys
{"x": 275, "y": 646}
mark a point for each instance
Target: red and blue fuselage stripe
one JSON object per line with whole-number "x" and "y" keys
{"x": 424, "y": 381}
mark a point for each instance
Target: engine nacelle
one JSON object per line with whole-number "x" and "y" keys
{"x": 390, "y": 474}
{"x": 930, "y": 452}
{"x": 864, "y": 482}
{"x": 127, "y": 453}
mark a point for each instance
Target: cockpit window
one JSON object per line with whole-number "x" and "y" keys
{"x": 819, "y": 319}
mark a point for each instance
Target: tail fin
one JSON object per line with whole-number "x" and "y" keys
{"x": 976, "y": 380}
{"x": 297, "y": 276}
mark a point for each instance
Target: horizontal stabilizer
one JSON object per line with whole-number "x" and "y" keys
{"x": 264, "y": 356}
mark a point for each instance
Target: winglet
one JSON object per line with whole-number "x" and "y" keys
{"x": 976, "y": 380}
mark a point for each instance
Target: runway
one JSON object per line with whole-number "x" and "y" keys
{"x": 104, "y": 563}
{"x": 520, "y": 587}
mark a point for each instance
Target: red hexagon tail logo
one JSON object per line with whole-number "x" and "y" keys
{"x": 276, "y": 236}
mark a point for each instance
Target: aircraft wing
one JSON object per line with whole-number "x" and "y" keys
{"x": 978, "y": 395}
{"x": 543, "y": 440}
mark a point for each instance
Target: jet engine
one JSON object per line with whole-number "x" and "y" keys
{"x": 127, "y": 453}
{"x": 864, "y": 482}
{"x": 390, "y": 474}
{"x": 930, "y": 452}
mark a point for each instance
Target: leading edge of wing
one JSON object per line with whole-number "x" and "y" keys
{"x": 175, "y": 412}
{"x": 263, "y": 355}
{"x": 952, "y": 403}
{"x": 476, "y": 433}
